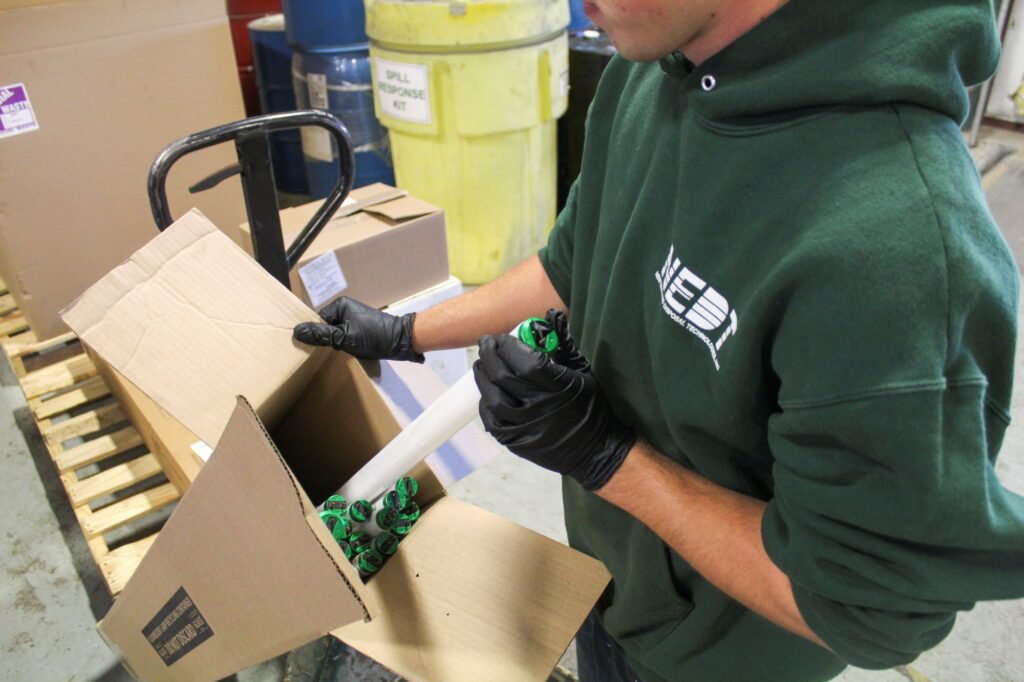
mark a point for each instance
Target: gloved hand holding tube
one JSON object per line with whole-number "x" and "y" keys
{"x": 549, "y": 409}
{"x": 439, "y": 422}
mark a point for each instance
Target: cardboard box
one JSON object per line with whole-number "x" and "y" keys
{"x": 381, "y": 246}
{"x": 244, "y": 569}
{"x": 92, "y": 91}
{"x": 165, "y": 437}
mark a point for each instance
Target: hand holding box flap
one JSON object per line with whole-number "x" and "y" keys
{"x": 241, "y": 545}
{"x": 193, "y": 322}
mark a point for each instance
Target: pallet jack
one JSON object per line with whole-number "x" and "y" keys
{"x": 252, "y": 144}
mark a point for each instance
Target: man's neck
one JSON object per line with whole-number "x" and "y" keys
{"x": 730, "y": 20}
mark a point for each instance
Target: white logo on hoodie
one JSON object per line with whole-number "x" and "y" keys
{"x": 695, "y": 306}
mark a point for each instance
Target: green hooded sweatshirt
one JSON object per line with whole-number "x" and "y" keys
{"x": 782, "y": 269}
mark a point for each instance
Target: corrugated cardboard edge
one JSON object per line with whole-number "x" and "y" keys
{"x": 311, "y": 515}
{"x": 403, "y": 208}
{"x": 380, "y": 193}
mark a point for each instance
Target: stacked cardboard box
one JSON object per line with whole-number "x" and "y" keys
{"x": 90, "y": 92}
{"x": 382, "y": 245}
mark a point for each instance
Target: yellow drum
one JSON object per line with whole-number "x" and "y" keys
{"x": 470, "y": 93}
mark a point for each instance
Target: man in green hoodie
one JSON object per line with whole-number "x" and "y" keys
{"x": 800, "y": 323}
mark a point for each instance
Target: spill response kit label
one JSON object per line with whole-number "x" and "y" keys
{"x": 16, "y": 115}
{"x": 323, "y": 278}
{"x": 403, "y": 90}
{"x": 177, "y": 628}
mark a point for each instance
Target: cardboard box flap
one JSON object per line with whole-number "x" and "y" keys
{"x": 204, "y": 597}
{"x": 472, "y": 596}
{"x": 403, "y": 209}
{"x": 193, "y": 322}
{"x": 295, "y": 218}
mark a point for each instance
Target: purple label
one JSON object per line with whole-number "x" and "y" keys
{"x": 16, "y": 115}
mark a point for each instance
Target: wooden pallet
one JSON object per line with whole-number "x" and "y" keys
{"x": 82, "y": 425}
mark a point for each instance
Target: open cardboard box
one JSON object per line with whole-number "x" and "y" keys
{"x": 381, "y": 246}
{"x": 244, "y": 569}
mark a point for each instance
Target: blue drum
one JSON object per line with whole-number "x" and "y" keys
{"x": 273, "y": 59}
{"x": 324, "y": 24}
{"x": 338, "y": 80}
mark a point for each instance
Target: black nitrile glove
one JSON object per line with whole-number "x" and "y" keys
{"x": 362, "y": 331}
{"x": 549, "y": 414}
{"x": 567, "y": 353}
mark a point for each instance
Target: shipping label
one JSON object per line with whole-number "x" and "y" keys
{"x": 323, "y": 278}
{"x": 403, "y": 90}
{"x": 317, "y": 83}
{"x": 16, "y": 114}
{"x": 177, "y": 628}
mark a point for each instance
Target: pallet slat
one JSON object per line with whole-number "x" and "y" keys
{"x": 129, "y": 509}
{"x": 12, "y": 324}
{"x": 27, "y": 343}
{"x": 119, "y": 564}
{"x": 113, "y": 480}
{"x": 85, "y": 392}
{"x": 58, "y": 376}
{"x": 98, "y": 449}
{"x": 83, "y": 424}
{"x": 7, "y": 304}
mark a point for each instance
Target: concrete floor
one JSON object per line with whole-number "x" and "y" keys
{"x": 52, "y": 593}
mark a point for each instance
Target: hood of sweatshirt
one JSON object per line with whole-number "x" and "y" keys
{"x": 811, "y": 54}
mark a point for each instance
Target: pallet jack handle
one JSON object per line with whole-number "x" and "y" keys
{"x": 252, "y": 143}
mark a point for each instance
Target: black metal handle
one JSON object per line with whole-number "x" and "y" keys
{"x": 251, "y": 142}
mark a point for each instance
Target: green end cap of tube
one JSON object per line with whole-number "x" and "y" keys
{"x": 386, "y": 543}
{"x": 386, "y": 518}
{"x": 360, "y": 541}
{"x": 538, "y": 334}
{"x": 336, "y": 523}
{"x": 346, "y": 549}
{"x": 370, "y": 561}
{"x": 401, "y": 527}
{"x": 410, "y": 512}
{"x": 336, "y": 503}
{"x": 393, "y": 499}
{"x": 408, "y": 487}
{"x": 360, "y": 511}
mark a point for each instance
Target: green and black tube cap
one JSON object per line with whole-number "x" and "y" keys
{"x": 335, "y": 503}
{"x": 360, "y": 511}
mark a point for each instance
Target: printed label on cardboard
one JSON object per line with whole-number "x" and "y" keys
{"x": 323, "y": 278}
{"x": 177, "y": 628}
{"x": 16, "y": 114}
{"x": 403, "y": 90}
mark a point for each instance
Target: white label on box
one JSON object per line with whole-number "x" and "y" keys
{"x": 203, "y": 450}
{"x": 323, "y": 278}
{"x": 403, "y": 90}
{"x": 16, "y": 114}
{"x": 317, "y": 83}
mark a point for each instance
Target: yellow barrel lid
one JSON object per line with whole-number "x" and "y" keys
{"x": 463, "y": 24}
